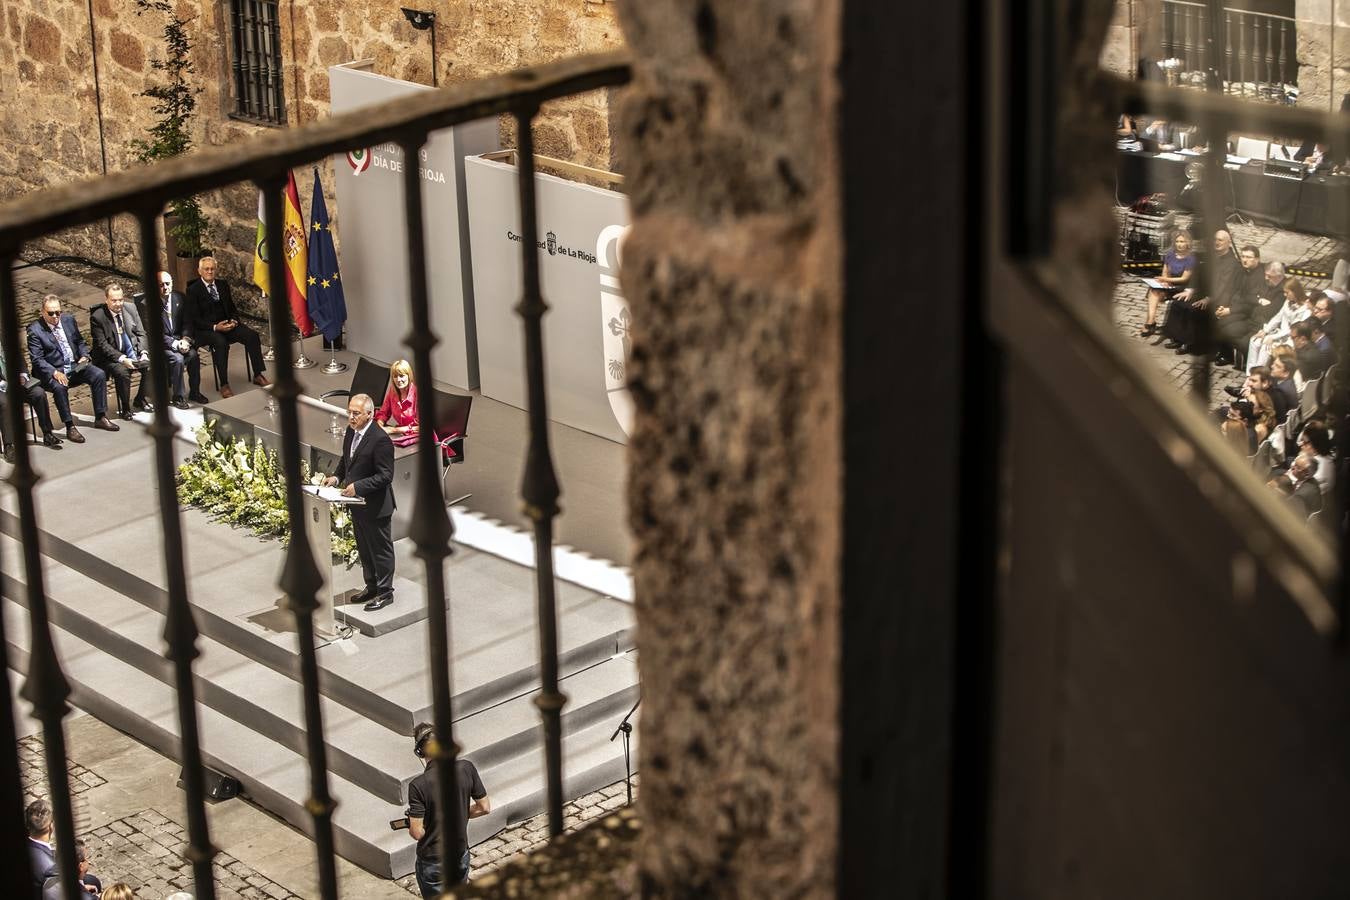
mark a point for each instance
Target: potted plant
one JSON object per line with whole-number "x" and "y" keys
{"x": 185, "y": 225}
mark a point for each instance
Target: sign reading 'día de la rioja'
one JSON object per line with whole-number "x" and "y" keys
{"x": 389, "y": 157}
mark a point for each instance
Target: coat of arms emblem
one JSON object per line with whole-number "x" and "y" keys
{"x": 616, "y": 323}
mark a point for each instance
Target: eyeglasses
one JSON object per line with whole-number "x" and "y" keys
{"x": 48, "y": 312}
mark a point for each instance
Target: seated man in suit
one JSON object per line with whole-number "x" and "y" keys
{"x": 367, "y": 471}
{"x": 37, "y": 818}
{"x": 182, "y": 352}
{"x": 30, "y": 392}
{"x": 119, "y": 348}
{"x": 215, "y": 324}
{"x": 61, "y": 361}
{"x": 93, "y": 886}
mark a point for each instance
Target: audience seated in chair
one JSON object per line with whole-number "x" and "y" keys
{"x": 1299, "y": 486}
{"x": 119, "y": 348}
{"x": 30, "y": 392}
{"x": 1256, "y": 392}
{"x": 61, "y": 361}
{"x": 1238, "y": 320}
{"x": 1277, "y": 330}
{"x": 93, "y": 887}
{"x": 1178, "y": 265}
{"x": 1190, "y": 318}
{"x": 1315, "y": 441}
{"x": 1283, "y": 394}
{"x": 178, "y": 344}
{"x": 215, "y": 324}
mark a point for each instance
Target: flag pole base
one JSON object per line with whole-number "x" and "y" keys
{"x": 333, "y": 367}
{"x": 303, "y": 361}
{"x": 268, "y": 355}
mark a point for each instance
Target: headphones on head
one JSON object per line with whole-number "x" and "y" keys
{"x": 421, "y": 734}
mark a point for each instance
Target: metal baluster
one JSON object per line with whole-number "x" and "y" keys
{"x": 1187, "y": 38}
{"x": 1202, "y": 42}
{"x": 1227, "y": 51}
{"x": 1270, "y": 54}
{"x": 45, "y": 686}
{"x": 1168, "y": 30}
{"x": 1242, "y": 52}
{"x": 300, "y": 578}
{"x": 180, "y": 628}
{"x": 1284, "y": 79}
{"x": 16, "y": 878}
{"x": 539, "y": 487}
{"x": 431, "y": 528}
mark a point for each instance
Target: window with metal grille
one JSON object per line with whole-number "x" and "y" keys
{"x": 257, "y": 60}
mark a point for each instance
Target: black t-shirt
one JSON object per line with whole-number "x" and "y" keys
{"x": 422, "y": 805}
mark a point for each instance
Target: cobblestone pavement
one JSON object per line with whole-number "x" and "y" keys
{"x": 144, "y": 849}
{"x": 1129, "y": 308}
{"x": 533, "y": 833}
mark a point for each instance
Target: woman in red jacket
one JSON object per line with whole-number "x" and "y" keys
{"x": 398, "y": 414}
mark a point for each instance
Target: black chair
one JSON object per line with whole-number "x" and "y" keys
{"x": 451, "y": 427}
{"x": 371, "y": 379}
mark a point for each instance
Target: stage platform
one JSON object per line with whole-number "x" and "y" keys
{"x": 101, "y": 540}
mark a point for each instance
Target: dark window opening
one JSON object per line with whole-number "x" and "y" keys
{"x": 257, "y": 60}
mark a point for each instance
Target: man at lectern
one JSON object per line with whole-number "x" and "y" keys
{"x": 367, "y": 471}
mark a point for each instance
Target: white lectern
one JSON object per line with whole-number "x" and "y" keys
{"x": 319, "y": 503}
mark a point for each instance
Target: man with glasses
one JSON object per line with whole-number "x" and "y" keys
{"x": 366, "y": 470}
{"x": 178, "y": 345}
{"x": 61, "y": 361}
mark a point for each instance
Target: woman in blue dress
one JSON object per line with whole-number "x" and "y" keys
{"x": 1177, "y": 266}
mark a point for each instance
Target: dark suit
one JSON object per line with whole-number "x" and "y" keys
{"x": 371, "y": 472}
{"x": 109, "y": 349}
{"x": 176, "y": 328}
{"x": 42, "y": 860}
{"x": 32, "y": 394}
{"x": 45, "y": 352}
{"x": 203, "y": 312}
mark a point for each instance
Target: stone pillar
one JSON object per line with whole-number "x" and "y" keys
{"x": 1323, "y": 28}
{"x": 731, "y": 270}
{"x": 1135, "y": 33}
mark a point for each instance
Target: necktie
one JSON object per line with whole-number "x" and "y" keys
{"x": 356, "y": 439}
{"x": 61, "y": 340}
{"x": 126, "y": 339}
{"x": 211, "y": 289}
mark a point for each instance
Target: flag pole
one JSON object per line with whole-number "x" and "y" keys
{"x": 333, "y": 367}
{"x": 268, "y": 354}
{"x": 302, "y": 361}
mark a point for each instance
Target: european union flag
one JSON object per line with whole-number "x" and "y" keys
{"x": 323, "y": 293}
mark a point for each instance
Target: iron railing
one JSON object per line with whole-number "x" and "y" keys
{"x": 1259, "y": 50}
{"x": 265, "y": 161}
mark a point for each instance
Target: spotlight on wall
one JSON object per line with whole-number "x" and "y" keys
{"x": 419, "y": 19}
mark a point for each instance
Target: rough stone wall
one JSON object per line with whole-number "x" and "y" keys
{"x": 732, "y": 273}
{"x": 1135, "y": 32}
{"x": 49, "y": 126}
{"x": 1323, "y": 28}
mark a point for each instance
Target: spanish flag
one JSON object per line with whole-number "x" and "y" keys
{"x": 260, "y": 273}
{"x": 297, "y": 257}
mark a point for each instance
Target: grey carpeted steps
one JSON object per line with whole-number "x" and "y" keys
{"x": 104, "y": 578}
{"x": 275, "y": 775}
